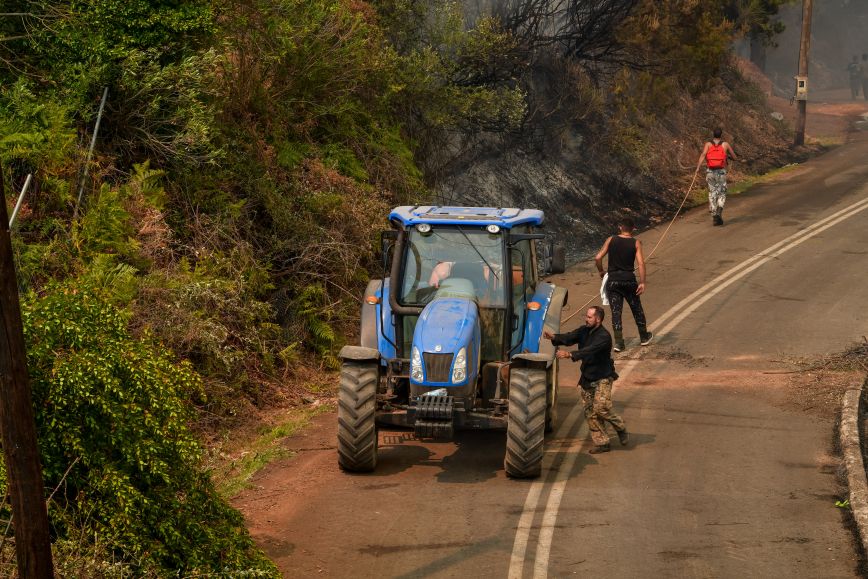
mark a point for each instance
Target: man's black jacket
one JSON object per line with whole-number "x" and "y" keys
{"x": 595, "y": 347}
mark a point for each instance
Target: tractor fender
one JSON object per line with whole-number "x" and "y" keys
{"x": 531, "y": 360}
{"x": 552, "y": 321}
{"x": 370, "y": 325}
{"x": 359, "y": 354}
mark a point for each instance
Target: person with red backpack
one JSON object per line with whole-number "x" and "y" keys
{"x": 715, "y": 155}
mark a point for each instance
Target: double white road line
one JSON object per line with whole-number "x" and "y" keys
{"x": 553, "y": 483}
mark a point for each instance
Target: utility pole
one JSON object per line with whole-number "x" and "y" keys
{"x": 24, "y": 471}
{"x": 802, "y": 79}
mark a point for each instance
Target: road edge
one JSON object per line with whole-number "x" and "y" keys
{"x": 851, "y": 447}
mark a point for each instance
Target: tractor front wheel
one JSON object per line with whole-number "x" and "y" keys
{"x": 526, "y": 423}
{"x": 357, "y": 412}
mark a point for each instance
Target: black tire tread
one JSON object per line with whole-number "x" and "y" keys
{"x": 525, "y": 435}
{"x": 357, "y": 410}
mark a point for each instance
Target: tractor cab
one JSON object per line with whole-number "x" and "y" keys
{"x": 470, "y": 263}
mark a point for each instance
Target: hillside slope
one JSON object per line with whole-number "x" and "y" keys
{"x": 588, "y": 169}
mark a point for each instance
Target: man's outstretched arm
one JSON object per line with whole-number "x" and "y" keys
{"x": 702, "y": 156}
{"x": 600, "y": 342}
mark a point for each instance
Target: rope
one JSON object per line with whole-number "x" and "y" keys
{"x": 680, "y": 207}
{"x": 659, "y": 241}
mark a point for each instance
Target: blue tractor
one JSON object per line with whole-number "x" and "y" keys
{"x": 451, "y": 337}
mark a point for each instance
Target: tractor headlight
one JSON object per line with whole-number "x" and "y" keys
{"x": 459, "y": 368}
{"x": 416, "y": 366}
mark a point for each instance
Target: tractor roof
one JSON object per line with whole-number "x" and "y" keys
{"x": 437, "y": 215}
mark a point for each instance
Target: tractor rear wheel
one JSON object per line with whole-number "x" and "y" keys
{"x": 526, "y": 423}
{"x": 357, "y": 412}
{"x": 552, "y": 397}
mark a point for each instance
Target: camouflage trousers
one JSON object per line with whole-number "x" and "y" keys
{"x": 716, "y": 179}
{"x": 598, "y": 411}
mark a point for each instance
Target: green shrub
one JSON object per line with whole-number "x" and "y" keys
{"x": 113, "y": 410}
{"x": 208, "y": 314}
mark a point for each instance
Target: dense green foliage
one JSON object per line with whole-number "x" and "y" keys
{"x": 246, "y": 158}
{"x": 112, "y": 413}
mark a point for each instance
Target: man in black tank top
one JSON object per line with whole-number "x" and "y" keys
{"x": 624, "y": 251}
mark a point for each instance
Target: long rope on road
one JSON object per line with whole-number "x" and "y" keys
{"x": 680, "y": 207}
{"x": 659, "y": 241}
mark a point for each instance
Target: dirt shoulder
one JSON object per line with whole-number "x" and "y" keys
{"x": 817, "y": 385}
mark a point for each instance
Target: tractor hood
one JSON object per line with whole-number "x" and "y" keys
{"x": 446, "y": 325}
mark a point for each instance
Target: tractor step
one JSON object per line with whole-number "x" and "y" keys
{"x": 434, "y": 417}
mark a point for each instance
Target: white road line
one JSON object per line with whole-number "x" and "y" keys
{"x": 525, "y": 522}
{"x": 550, "y": 516}
{"x": 692, "y": 302}
{"x": 522, "y": 531}
{"x": 678, "y": 313}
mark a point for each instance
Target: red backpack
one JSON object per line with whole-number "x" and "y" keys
{"x": 715, "y": 158}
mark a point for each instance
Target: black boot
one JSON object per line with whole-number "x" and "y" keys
{"x": 619, "y": 341}
{"x": 623, "y": 437}
{"x": 645, "y": 336}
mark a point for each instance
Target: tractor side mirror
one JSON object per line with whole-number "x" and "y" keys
{"x": 387, "y": 242}
{"x": 559, "y": 259}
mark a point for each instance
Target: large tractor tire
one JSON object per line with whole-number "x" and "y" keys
{"x": 552, "y": 397}
{"x": 357, "y": 411}
{"x": 525, "y": 434}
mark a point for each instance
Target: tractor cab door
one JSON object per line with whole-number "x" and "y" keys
{"x": 522, "y": 259}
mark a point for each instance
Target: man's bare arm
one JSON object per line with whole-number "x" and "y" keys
{"x": 640, "y": 263}
{"x": 440, "y": 272}
{"x": 598, "y": 259}
{"x": 702, "y": 156}
{"x": 729, "y": 150}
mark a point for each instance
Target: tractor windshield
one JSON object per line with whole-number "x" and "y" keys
{"x": 454, "y": 262}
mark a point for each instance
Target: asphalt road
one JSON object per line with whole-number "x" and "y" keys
{"x": 724, "y": 475}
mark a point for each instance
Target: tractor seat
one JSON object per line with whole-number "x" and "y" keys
{"x": 456, "y": 287}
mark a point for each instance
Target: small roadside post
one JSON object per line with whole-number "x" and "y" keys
{"x": 24, "y": 471}
{"x": 20, "y": 199}
{"x": 90, "y": 152}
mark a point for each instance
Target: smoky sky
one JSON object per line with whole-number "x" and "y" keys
{"x": 839, "y": 31}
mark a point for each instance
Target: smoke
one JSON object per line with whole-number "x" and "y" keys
{"x": 839, "y": 31}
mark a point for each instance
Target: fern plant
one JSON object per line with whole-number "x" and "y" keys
{"x": 314, "y": 312}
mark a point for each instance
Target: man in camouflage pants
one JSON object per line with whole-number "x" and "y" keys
{"x": 715, "y": 156}
{"x": 597, "y": 375}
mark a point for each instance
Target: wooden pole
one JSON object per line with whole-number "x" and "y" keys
{"x": 24, "y": 472}
{"x": 804, "y": 49}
